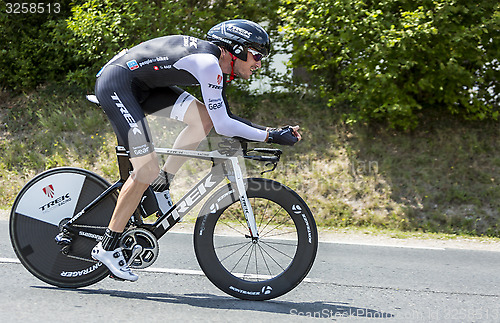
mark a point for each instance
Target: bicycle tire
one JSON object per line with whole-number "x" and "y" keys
{"x": 37, "y": 212}
{"x": 279, "y": 213}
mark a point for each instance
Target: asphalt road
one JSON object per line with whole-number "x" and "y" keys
{"x": 348, "y": 283}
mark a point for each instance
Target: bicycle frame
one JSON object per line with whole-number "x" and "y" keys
{"x": 225, "y": 165}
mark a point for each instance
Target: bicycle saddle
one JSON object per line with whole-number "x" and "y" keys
{"x": 92, "y": 98}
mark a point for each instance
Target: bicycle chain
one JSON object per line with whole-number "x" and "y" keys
{"x": 88, "y": 226}
{"x": 83, "y": 259}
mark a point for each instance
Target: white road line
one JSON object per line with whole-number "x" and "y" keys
{"x": 354, "y": 243}
{"x": 10, "y": 260}
{"x": 200, "y": 273}
{"x": 382, "y": 245}
{"x": 174, "y": 271}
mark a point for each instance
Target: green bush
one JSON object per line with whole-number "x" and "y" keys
{"x": 74, "y": 43}
{"x": 394, "y": 59}
{"x": 101, "y": 28}
{"x": 34, "y": 47}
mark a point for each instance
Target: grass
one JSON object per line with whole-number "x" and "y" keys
{"x": 443, "y": 177}
{"x": 51, "y": 127}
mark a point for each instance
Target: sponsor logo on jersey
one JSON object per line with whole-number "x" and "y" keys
{"x": 132, "y": 65}
{"x": 213, "y": 86}
{"x": 153, "y": 60}
{"x": 190, "y": 42}
{"x": 219, "y": 79}
{"x": 214, "y": 106}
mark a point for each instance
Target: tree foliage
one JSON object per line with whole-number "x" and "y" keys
{"x": 394, "y": 59}
{"x": 388, "y": 60}
{"x": 75, "y": 43}
{"x": 33, "y": 47}
{"x": 101, "y": 28}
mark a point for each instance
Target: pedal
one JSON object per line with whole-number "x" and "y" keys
{"x": 116, "y": 278}
{"x": 136, "y": 251}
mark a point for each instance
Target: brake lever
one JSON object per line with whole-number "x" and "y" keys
{"x": 275, "y": 152}
{"x": 269, "y": 170}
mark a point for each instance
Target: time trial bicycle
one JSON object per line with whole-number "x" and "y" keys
{"x": 254, "y": 238}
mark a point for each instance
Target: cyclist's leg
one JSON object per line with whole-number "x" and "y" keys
{"x": 181, "y": 106}
{"x": 198, "y": 125}
{"x": 145, "y": 171}
{"x": 114, "y": 91}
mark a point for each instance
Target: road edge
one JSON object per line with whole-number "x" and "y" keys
{"x": 373, "y": 238}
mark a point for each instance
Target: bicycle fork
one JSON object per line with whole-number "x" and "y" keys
{"x": 244, "y": 201}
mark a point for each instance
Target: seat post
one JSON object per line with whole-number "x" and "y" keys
{"x": 124, "y": 165}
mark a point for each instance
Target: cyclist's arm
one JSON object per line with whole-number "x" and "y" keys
{"x": 240, "y": 119}
{"x": 205, "y": 68}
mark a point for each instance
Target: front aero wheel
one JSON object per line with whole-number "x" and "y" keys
{"x": 256, "y": 269}
{"x": 42, "y": 206}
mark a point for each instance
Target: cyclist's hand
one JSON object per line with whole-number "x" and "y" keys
{"x": 284, "y": 136}
{"x": 296, "y": 132}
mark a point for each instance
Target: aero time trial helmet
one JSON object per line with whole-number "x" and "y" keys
{"x": 236, "y": 36}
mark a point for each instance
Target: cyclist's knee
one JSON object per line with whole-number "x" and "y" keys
{"x": 206, "y": 121}
{"x": 146, "y": 168}
{"x": 207, "y": 126}
{"x": 198, "y": 118}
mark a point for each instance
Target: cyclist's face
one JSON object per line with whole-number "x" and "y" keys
{"x": 245, "y": 69}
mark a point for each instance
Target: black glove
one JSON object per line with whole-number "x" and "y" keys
{"x": 282, "y": 136}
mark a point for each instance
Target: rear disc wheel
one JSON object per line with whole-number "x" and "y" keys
{"x": 41, "y": 207}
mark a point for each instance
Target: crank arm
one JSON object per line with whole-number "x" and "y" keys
{"x": 136, "y": 251}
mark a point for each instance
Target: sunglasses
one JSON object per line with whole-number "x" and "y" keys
{"x": 256, "y": 55}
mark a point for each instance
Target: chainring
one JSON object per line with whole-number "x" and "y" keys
{"x": 140, "y": 248}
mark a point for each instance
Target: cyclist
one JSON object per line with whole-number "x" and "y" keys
{"x": 144, "y": 80}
